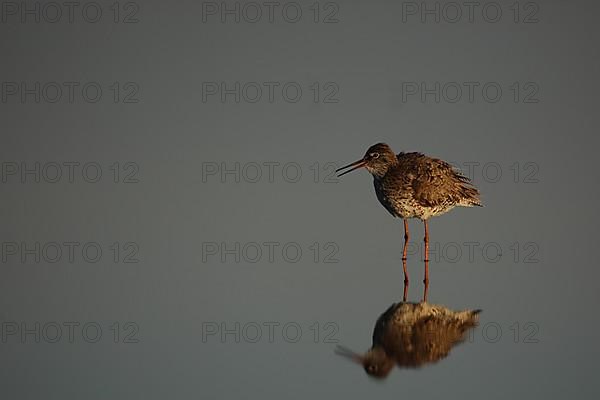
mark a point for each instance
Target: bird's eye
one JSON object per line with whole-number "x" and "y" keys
{"x": 374, "y": 155}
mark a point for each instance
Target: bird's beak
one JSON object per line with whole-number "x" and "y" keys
{"x": 349, "y": 354}
{"x": 355, "y": 165}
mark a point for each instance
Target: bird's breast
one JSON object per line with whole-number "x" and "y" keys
{"x": 395, "y": 198}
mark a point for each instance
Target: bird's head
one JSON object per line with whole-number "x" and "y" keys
{"x": 377, "y": 160}
{"x": 375, "y": 361}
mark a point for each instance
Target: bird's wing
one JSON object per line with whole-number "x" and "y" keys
{"x": 427, "y": 336}
{"x": 436, "y": 183}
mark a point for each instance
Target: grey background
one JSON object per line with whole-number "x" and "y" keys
{"x": 171, "y": 134}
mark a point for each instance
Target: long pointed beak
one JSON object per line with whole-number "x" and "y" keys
{"x": 355, "y": 165}
{"x": 349, "y": 354}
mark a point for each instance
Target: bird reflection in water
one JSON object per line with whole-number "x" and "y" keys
{"x": 411, "y": 335}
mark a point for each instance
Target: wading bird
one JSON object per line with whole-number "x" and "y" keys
{"x": 411, "y": 335}
{"x": 412, "y": 185}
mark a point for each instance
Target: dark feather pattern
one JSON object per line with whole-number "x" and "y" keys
{"x": 413, "y": 185}
{"x": 410, "y": 335}
{"x": 414, "y": 334}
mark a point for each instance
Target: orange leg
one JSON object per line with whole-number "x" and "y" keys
{"x": 426, "y": 239}
{"x": 404, "y": 253}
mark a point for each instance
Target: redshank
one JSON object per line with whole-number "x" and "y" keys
{"x": 413, "y": 185}
{"x": 411, "y": 335}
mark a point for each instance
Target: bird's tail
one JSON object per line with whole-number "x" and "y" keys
{"x": 472, "y": 203}
{"x": 469, "y": 318}
{"x": 470, "y": 196}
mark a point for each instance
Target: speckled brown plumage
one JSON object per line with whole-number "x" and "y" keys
{"x": 417, "y": 186}
{"x": 413, "y": 185}
{"x": 411, "y": 335}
